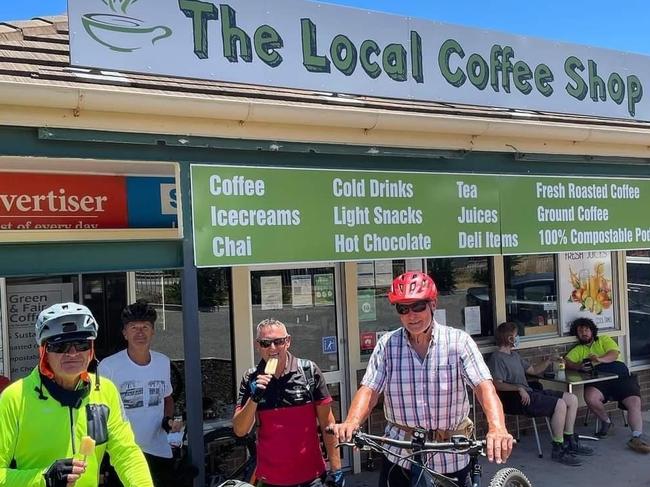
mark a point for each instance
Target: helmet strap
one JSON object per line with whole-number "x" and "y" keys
{"x": 43, "y": 365}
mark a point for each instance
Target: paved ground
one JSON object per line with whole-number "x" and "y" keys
{"x": 613, "y": 464}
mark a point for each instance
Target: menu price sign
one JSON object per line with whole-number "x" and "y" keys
{"x": 253, "y": 215}
{"x": 248, "y": 215}
{"x": 555, "y": 214}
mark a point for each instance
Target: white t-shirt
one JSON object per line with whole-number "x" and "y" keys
{"x": 143, "y": 389}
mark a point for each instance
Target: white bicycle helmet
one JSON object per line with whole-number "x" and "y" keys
{"x": 65, "y": 321}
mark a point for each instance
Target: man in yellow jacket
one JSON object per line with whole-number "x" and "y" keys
{"x": 44, "y": 416}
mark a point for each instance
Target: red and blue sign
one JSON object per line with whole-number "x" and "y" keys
{"x": 30, "y": 201}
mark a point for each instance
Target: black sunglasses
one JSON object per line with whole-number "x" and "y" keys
{"x": 64, "y": 347}
{"x": 416, "y": 307}
{"x": 275, "y": 341}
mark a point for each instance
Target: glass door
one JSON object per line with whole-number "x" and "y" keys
{"x": 308, "y": 300}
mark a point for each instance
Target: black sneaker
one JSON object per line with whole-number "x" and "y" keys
{"x": 604, "y": 429}
{"x": 561, "y": 454}
{"x": 576, "y": 447}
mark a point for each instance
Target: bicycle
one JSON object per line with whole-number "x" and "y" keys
{"x": 228, "y": 457}
{"x": 506, "y": 477}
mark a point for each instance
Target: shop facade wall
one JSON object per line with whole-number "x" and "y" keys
{"x": 26, "y": 142}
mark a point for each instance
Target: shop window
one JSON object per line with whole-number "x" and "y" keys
{"x": 105, "y": 295}
{"x": 638, "y": 295}
{"x": 376, "y": 315}
{"x": 26, "y": 298}
{"x": 305, "y": 300}
{"x": 465, "y": 295}
{"x": 163, "y": 290}
{"x": 531, "y": 296}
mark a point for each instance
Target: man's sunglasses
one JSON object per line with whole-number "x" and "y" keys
{"x": 275, "y": 341}
{"x": 416, "y": 307}
{"x": 64, "y": 347}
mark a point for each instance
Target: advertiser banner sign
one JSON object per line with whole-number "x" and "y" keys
{"x": 255, "y": 215}
{"x": 30, "y": 201}
{"x": 301, "y": 44}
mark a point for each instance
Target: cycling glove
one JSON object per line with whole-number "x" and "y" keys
{"x": 57, "y": 474}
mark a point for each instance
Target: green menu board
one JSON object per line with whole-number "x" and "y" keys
{"x": 251, "y": 215}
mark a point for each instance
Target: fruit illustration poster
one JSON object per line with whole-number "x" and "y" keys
{"x": 585, "y": 288}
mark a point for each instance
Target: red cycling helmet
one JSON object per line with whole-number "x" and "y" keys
{"x": 412, "y": 286}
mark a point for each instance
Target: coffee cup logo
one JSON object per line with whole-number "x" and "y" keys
{"x": 119, "y": 32}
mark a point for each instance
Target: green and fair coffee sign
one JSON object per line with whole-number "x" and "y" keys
{"x": 301, "y": 44}
{"x": 253, "y": 215}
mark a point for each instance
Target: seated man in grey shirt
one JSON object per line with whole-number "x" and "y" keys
{"x": 509, "y": 374}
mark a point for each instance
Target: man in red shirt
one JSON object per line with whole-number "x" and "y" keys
{"x": 288, "y": 405}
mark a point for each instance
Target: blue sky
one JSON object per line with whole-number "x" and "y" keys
{"x": 600, "y": 23}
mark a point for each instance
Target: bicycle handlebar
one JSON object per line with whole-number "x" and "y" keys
{"x": 460, "y": 443}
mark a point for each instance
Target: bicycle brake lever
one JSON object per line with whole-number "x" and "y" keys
{"x": 354, "y": 445}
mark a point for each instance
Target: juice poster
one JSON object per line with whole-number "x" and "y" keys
{"x": 585, "y": 288}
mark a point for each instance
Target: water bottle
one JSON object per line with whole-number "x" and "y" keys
{"x": 561, "y": 370}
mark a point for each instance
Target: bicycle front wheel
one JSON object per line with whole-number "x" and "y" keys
{"x": 510, "y": 477}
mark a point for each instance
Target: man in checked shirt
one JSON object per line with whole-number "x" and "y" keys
{"x": 422, "y": 369}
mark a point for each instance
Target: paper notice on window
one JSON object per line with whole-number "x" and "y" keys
{"x": 413, "y": 265}
{"x": 301, "y": 294}
{"x": 367, "y": 305}
{"x": 440, "y": 315}
{"x": 24, "y": 303}
{"x": 473, "y": 320}
{"x": 365, "y": 274}
{"x": 271, "y": 287}
{"x": 383, "y": 273}
{"x": 323, "y": 289}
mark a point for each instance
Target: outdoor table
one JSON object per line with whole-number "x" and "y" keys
{"x": 576, "y": 378}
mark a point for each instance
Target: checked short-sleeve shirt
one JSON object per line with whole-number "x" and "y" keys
{"x": 428, "y": 393}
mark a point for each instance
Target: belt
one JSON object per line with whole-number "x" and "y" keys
{"x": 464, "y": 428}
{"x": 309, "y": 483}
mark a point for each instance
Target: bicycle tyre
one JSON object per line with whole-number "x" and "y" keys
{"x": 235, "y": 483}
{"x": 510, "y": 477}
{"x": 229, "y": 457}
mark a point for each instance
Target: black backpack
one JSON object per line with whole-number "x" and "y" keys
{"x": 306, "y": 368}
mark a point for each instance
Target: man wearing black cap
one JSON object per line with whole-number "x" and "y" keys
{"x": 142, "y": 376}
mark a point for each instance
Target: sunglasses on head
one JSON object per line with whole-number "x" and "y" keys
{"x": 416, "y": 307}
{"x": 264, "y": 343}
{"x": 64, "y": 347}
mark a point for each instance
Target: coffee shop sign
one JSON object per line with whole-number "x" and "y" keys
{"x": 301, "y": 44}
